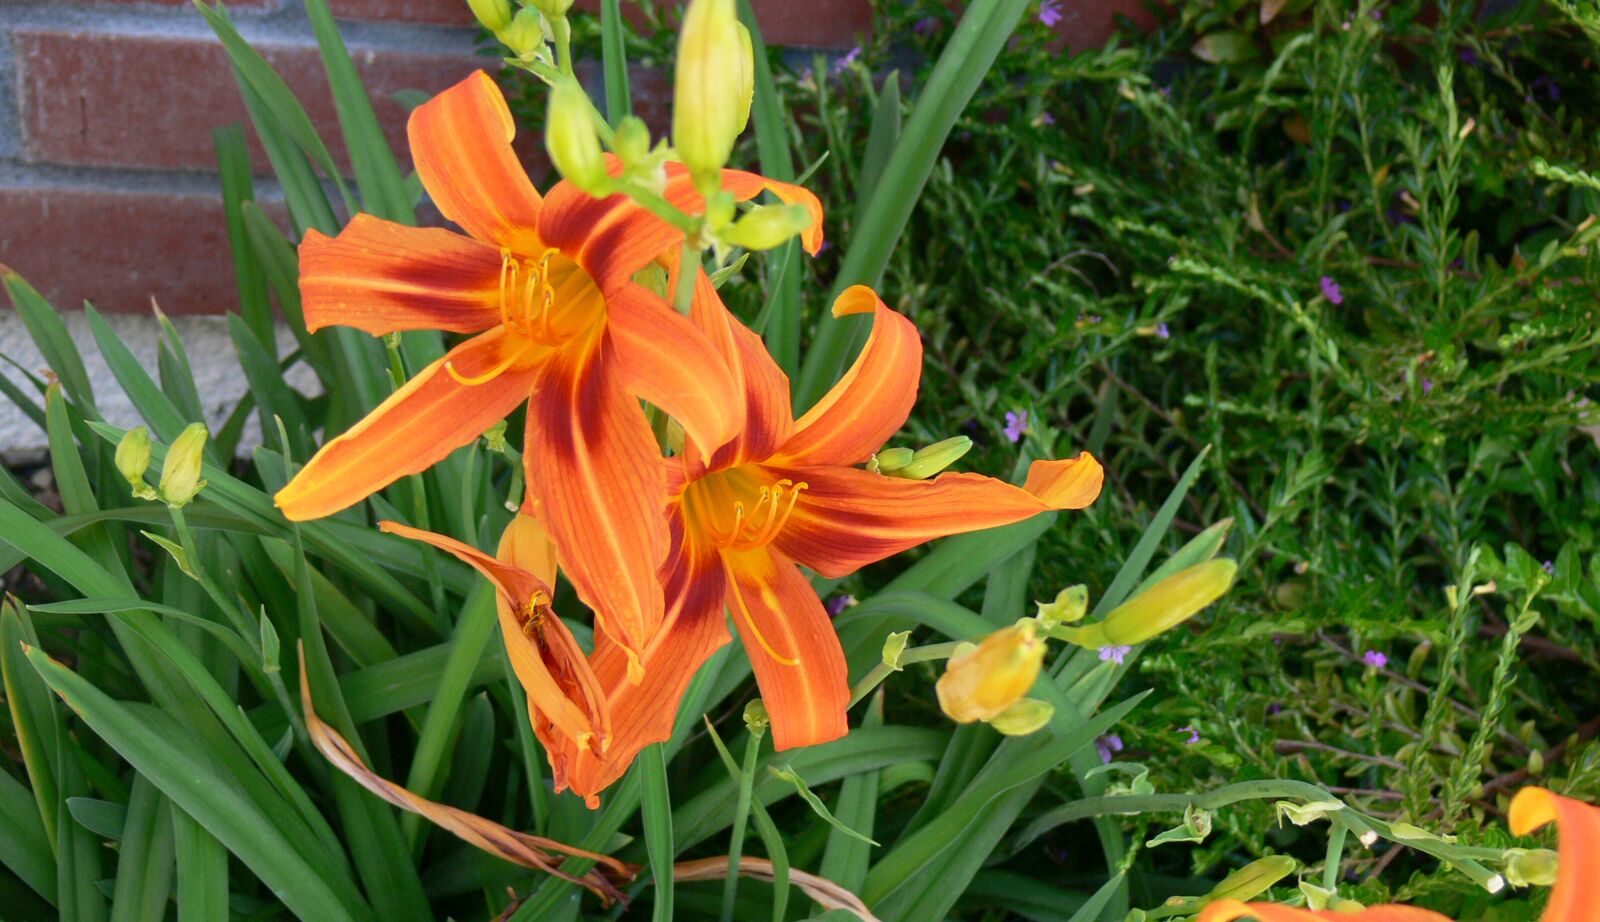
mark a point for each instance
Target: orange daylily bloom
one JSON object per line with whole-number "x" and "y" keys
{"x": 564, "y": 698}
{"x": 1572, "y": 899}
{"x": 546, "y": 284}
{"x": 786, "y": 492}
{"x": 591, "y": 718}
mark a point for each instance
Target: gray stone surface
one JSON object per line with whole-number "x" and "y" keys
{"x": 218, "y": 379}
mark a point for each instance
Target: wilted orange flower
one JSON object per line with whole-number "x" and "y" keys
{"x": 1572, "y": 899}
{"x": 546, "y": 284}
{"x": 783, "y": 492}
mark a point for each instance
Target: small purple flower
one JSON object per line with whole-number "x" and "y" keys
{"x": 1050, "y": 12}
{"x": 927, "y": 25}
{"x": 1194, "y": 735}
{"x": 838, "y": 604}
{"x": 1114, "y": 654}
{"x": 1549, "y": 567}
{"x": 1331, "y": 291}
{"x": 1162, "y": 331}
{"x": 1375, "y": 659}
{"x": 843, "y": 64}
{"x": 1108, "y": 745}
{"x": 1016, "y": 425}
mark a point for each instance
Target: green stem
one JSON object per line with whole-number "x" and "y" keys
{"x": 741, "y": 815}
{"x": 878, "y": 673}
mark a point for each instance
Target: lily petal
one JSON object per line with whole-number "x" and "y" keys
{"x": 612, "y": 238}
{"x": 847, "y": 518}
{"x": 597, "y": 483}
{"x": 381, "y": 277}
{"x": 559, "y": 683}
{"x": 1572, "y": 899}
{"x": 419, "y": 425}
{"x": 798, "y": 662}
{"x": 664, "y": 358}
{"x": 461, "y": 144}
{"x": 1229, "y": 910}
{"x": 871, "y": 402}
{"x": 693, "y": 629}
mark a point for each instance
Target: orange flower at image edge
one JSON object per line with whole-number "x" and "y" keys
{"x": 546, "y": 284}
{"x": 1574, "y": 898}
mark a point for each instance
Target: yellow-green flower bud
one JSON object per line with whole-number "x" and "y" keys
{"x": 890, "y": 459}
{"x": 1253, "y": 879}
{"x": 1070, "y": 605}
{"x": 493, "y": 15}
{"x": 710, "y": 104}
{"x": 571, "y": 139}
{"x": 1160, "y": 608}
{"x": 768, "y": 226}
{"x": 979, "y": 684}
{"x": 133, "y": 459}
{"x": 525, "y": 35}
{"x": 1026, "y": 716}
{"x": 756, "y": 719}
{"x": 180, "y": 475}
{"x": 934, "y": 458}
{"x": 1531, "y": 867}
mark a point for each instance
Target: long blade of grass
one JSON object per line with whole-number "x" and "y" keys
{"x": 982, "y": 33}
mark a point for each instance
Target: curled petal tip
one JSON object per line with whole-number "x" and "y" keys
{"x": 857, "y": 299}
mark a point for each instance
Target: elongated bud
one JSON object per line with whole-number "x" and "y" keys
{"x": 934, "y": 458}
{"x": 768, "y": 226}
{"x": 525, "y": 35}
{"x": 1531, "y": 867}
{"x": 493, "y": 15}
{"x": 133, "y": 459}
{"x": 1253, "y": 879}
{"x": 979, "y": 684}
{"x": 180, "y": 476}
{"x": 1160, "y": 608}
{"x": 571, "y": 139}
{"x": 1070, "y": 605}
{"x": 1026, "y": 716}
{"x": 890, "y": 459}
{"x": 709, "y": 105}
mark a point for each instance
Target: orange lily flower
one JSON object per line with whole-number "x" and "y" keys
{"x": 564, "y": 699}
{"x": 786, "y": 491}
{"x": 591, "y": 718}
{"x": 1572, "y": 899}
{"x": 546, "y": 284}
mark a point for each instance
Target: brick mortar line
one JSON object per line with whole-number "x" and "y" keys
{"x": 288, "y": 24}
{"x": 44, "y": 176}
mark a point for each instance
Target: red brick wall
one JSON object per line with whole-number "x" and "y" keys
{"x": 107, "y": 172}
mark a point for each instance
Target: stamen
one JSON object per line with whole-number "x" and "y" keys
{"x": 733, "y": 586}
{"x": 487, "y": 376}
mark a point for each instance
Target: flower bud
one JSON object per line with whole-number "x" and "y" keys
{"x": 571, "y": 139}
{"x": 1253, "y": 879}
{"x": 890, "y": 459}
{"x": 768, "y": 226}
{"x": 934, "y": 458}
{"x": 979, "y": 684}
{"x": 1028, "y": 715}
{"x": 1531, "y": 867}
{"x": 180, "y": 475}
{"x": 1162, "y": 607}
{"x": 710, "y": 102}
{"x": 1070, "y": 605}
{"x": 133, "y": 459}
{"x": 493, "y": 15}
{"x": 525, "y": 35}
